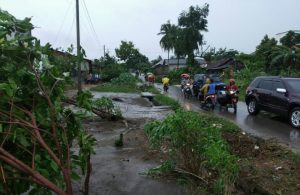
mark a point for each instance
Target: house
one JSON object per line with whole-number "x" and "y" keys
{"x": 86, "y": 64}
{"x": 165, "y": 66}
{"x": 220, "y": 65}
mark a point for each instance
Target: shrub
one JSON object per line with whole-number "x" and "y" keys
{"x": 195, "y": 145}
{"x": 165, "y": 100}
{"x": 112, "y": 71}
{"x": 124, "y": 79}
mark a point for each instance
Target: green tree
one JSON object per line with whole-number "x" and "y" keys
{"x": 168, "y": 40}
{"x": 192, "y": 23}
{"x": 290, "y": 39}
{"x": 130, "y": 55}
{"x": 283, "y": 57}
{"x": 264, "y": 50}
{"x": 36, "y": 129}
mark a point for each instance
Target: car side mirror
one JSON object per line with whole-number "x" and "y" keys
{"x": 281, "y": 90}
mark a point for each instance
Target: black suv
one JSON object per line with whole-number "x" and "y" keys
{"x": 279, "y": 95}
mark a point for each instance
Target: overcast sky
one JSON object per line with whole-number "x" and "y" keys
{"x": 234, "y": 24}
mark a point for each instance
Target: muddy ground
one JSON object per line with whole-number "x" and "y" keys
{"x": 266, "y": 168}
{"x": 123, "y": 170}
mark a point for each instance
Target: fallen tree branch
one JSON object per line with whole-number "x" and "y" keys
{"x": 178, "y": 170}
{"x": 101, "y": 113}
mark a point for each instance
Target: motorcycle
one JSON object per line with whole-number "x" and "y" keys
{"x": 228, "y": 99}
{"x": 187, "y": 91}
{"x": 209, "y": 102}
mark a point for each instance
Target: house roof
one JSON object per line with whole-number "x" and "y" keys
{"x": 182, "y": 61}
{"x": 295, "y": 31}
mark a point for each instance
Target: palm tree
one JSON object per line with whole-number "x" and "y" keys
{"x": 283, "y": 55}
{"x": 169, "y": 32}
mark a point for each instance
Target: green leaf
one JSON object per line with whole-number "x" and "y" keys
{"x": 54, "y": 166}
{"x": 23, "y": 140}
{"x": 75, "y": 176}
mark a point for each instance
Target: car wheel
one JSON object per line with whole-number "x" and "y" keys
{"x": 253, "y": 107}
{"x": 295, "y": 117}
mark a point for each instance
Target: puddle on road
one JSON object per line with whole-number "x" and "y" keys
{"x": 133, "y": 106}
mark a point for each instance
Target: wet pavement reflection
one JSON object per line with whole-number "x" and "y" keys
{"x": 263, "y": 125}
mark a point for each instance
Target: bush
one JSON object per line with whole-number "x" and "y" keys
{"x": 125, "y": 79}
{"x": 112, "y": 71}
{"x": 174, "y": 75}
{"x": 194, "y": 143}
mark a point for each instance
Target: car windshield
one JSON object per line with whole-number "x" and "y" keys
{"x": 294, "y": 84}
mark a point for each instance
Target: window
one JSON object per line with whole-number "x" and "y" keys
{"x": 255, "y": 83}
{"x": 266, "y": 84}
{"x": 294, "y": 85}
{"x": 278, "y": 84}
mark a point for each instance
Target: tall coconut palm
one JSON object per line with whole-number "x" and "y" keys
{"x": 168, "y": 39}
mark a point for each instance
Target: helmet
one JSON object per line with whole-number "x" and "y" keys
{"x": 207, "y": 81}
{"x": 231, "y": 81}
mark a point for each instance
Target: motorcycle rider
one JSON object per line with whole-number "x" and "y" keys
{"x": 231, "y": 86}
{"x": 204, "y": 89}
{"x": 165, "y": 80}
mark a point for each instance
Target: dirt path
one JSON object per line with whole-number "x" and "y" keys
{"x": 123, "y": 170}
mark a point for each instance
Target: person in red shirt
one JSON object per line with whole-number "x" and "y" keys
{"x": 231, "y": 86}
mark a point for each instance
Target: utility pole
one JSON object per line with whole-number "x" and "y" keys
{"x": 78, "y": 47}
{"x": 104, "y": 51}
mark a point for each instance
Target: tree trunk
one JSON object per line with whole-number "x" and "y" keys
{"x": 88, "y": 174}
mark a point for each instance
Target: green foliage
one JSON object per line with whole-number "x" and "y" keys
{"x": 106, "y": 104}
{"x": 130, "y": 55}
{"x": 185, "y": 37}
{"x": 112, "y": 71}
{"x": 148, "y": 88}
{"x": 191, "y": 23}
{"x": 165, "y": 100}
{"x": 125, "y": 79}
{"x": 125, "y": 83}
{"x": 290, "y": 39}
{"x": 213, "y": 55}
{"x": 295, "y": 157}
{"x": 169, "y": 32}
{"x": 35, "y": 127}
{"x": 165, "y": 167}
{"x": 195, "y": 143}
{"x": 174, "y": 75}
{"x": 84, "y": 100}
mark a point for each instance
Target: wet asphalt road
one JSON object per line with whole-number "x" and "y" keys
{"x": 263, "y": 125}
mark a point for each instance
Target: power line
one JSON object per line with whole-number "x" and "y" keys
{"x": 63, "y": 21}
{"x": 91, "y": 23}
{"x": 72, "y": 25}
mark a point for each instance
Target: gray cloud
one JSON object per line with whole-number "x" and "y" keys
{"x": 236, "y": 24}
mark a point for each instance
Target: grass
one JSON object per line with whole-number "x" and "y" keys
{"x": 165, "y": 100}
{"x": 115, "y": 88}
